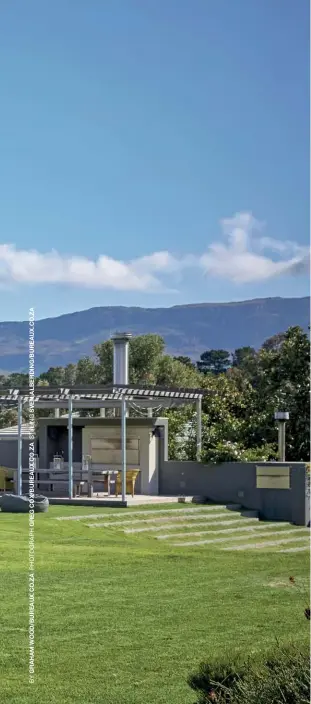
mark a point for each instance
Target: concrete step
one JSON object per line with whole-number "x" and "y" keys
{"x": 248, "y": 513}
{"x": 234, "y": 507}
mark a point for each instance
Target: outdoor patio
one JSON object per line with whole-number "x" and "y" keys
{"x": 79, "y": 480}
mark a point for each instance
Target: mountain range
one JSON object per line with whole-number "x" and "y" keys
{"x": 186, "y": 329}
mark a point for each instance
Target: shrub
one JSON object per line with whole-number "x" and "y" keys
{"x": 280, "y": 678}
{"x": 284, "y": 677}
{"x": 215, "y": 681}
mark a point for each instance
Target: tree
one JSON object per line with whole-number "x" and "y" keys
{"x": 185, "y": 360}
{"x": 181, "y": 433}
{"x": 16, "y": 379}
{"x": 279, "y": 375}
{"x": 87, "y": 371}
{"x": 70, "y": 373}
{"x": 55, "y": 376}
{"x": 145, "y": 352}
{"x": 243, "y": 356}
{"x": 104, "y": 360}
{"x": 214, "y": 361}
{"x": 274, "y": 343}
{"x": 171, "y": 372}
{"x": 8, "y": 417}
{"x": 283, "y": 383}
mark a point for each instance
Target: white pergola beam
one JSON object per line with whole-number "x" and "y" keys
{"x": 142, "y": 403}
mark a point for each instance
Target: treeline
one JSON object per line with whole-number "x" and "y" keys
{"x": 244, "y": 390}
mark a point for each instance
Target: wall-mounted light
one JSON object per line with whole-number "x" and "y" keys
{"x": 156, "y": 432}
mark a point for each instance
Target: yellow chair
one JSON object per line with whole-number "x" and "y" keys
{"x": 6, "y": 479}
{"x": 2, "y": 479}
{"x": 131, "y": 476}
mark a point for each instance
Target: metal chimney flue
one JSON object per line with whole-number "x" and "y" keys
{"x": 121, "y": 358}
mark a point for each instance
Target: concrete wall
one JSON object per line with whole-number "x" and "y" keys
{"x": 8, "y": 453}
{"x": 235, "y": 482}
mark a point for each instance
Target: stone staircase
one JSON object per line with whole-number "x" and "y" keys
{"x": 245, "y": 512}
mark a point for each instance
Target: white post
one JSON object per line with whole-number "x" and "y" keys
{"x": 20, "y": 448}
{"x": 56, "y": 412}
{"x": 199, "y": 428}
{"x": 102, "y": 412}
{"x": 70, "y": 473}
{"x": 123, "y": 446}
{"x": 149, "y": 411}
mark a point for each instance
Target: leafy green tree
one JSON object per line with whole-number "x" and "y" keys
{"x": 171, "y": 372}
{"x": 8, "y": 417}
{"x": 87, "y": 371}
{"x": 283, "y": 383}
{"x": 185, "y": 360}
{"x": 70, "y": 373}
{"x": 15, "y": 380}
{"x": 274, "y": 343}
{"x": 145, "y": 352}
{"x": 55, "y": 376}
{"x": 279, "y": 375}
{"x": 181, "y": 433}
{"x": 214, "y": 361}
{"x": 243, "y": 357}
{"x": 104, "y": 360}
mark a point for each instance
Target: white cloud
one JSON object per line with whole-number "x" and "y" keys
{"x": 243, "y": 256}
{"x": 32, "y": 267}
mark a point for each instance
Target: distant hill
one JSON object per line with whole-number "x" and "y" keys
{"x": 187, "y": 330}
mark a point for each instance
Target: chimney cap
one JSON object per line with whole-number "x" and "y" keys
{"x": 121, "y": 336}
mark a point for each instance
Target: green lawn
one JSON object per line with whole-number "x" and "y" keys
{"x": 124, "y": 618}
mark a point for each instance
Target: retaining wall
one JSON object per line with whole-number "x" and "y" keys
{"x": 235, "y": 482}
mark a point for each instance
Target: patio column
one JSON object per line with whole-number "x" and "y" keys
{"x": 123, "y": 446}
{"x": 199, "y": 428}
{"x": 19, "y": 447}
{"x": 70, "y": 472}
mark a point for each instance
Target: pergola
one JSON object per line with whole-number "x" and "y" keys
{"x": 92, "y": 396}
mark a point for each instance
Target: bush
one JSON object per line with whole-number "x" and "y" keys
{"x": 281, "y": 678}
{"x": 215, "y": 681}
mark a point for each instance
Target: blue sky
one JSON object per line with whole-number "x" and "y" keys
{"x": 152, "y": 153}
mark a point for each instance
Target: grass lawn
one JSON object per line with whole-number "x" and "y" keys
{"x": 124, "y": 619}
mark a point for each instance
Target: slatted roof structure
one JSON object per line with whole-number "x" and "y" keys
{"x": 98, "y": 396}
